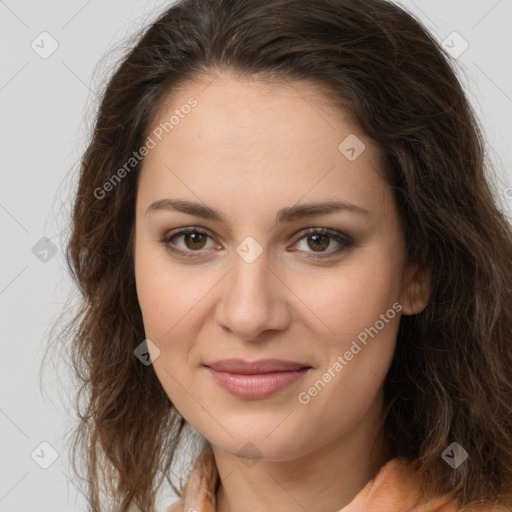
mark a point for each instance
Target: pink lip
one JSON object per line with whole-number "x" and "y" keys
{"x": 252, "y": 367}
{"x": 258, "y": 379}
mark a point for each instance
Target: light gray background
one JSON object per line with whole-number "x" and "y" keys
{"x": 46, "y": 109}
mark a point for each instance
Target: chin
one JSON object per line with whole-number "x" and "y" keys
{"x": 261, "y": 445}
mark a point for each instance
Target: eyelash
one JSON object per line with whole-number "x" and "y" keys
{"x": 341, "y": 238}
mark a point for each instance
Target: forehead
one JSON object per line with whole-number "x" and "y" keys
{"x": 228, "y": 106}
{"x": 251, "y": 135}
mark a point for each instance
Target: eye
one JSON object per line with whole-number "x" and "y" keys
{"x": 318, "y": 239}
{"x": 193, "y": 237}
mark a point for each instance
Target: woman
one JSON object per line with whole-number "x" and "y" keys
{"x": 286, "y": 240}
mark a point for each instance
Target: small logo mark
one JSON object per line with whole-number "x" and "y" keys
{"x": 249, "y": 454}
{"x": 454, "y": 455}
{"x": 44, "y": 455}
{"x": 147, "y": 352}
{"x": 351, "y": 147}
{"x": 249, "y": 250}
{"x": 44, "y": 250}
{"x": 44, "y": 45}
{"x": 455, "y": 45}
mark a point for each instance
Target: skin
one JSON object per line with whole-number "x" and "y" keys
{"x": 248, "y": 149}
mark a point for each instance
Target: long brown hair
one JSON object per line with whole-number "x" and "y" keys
{"x": 451, "y": 376}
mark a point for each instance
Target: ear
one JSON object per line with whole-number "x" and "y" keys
{"x": 416, "y": 289}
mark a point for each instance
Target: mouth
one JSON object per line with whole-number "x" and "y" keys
{"x": 258, "y": 379}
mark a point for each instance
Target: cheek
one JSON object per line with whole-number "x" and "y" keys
{"x": 349, "y": 299}
{"x": 347, "y": 385}
{"x": 161, "y": 295}
{"x": 172, "y": 303}
{"x": 162, "y": 299}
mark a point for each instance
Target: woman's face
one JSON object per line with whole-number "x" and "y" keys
{"x": 259, "y": 279}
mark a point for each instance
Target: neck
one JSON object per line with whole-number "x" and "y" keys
{"x": 324, "y": 479}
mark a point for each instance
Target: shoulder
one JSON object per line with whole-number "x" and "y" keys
{"x": 399, "y": 479}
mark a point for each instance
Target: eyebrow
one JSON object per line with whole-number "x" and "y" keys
{"x": 284, "y": 215}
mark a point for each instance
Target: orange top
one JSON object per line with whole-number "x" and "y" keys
{"x": 396, "y": 488}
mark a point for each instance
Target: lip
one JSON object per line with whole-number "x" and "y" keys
{"x": 255, "y": 367}
{"x": 257, "y": 379}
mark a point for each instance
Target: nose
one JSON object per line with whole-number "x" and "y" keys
{"x": 254, "y": 299}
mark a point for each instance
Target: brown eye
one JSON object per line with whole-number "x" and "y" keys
{"x": 319, "y": 242}
{"x": 194, "y": 240}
